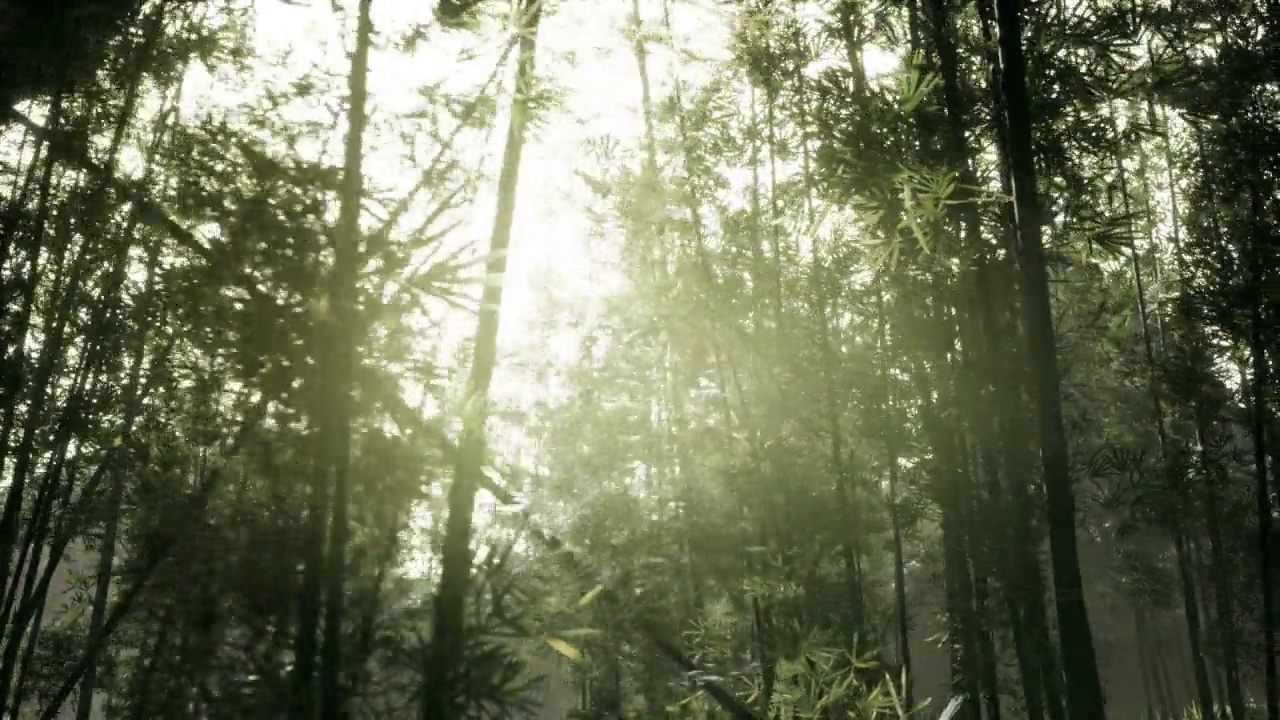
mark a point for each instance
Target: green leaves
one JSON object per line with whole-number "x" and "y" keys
{"x": 914, "y": 85}
{"x": 917, "y": 199}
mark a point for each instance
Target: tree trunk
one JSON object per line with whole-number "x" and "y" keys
{"x": 1084, "y": 687}
{"x": 952, "y": 485}
{"x": 1169, "y": 695}
{"x": 307, "y": 635}
{"x": 1259, "y": 387}
{"x": 449, "y": 622}
{"x": 1144, "y": 664}
{"x": 901, "y": 608}
{"x": 340, "y": 370}
{"x": 106, "y": 553}
{"x": 145, "y": 675}
{"x": 1223, "y": 591}
{"x": 1191, "y": 611}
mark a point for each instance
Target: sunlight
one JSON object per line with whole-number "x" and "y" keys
{"x": 953, "y": 385}
{"x": 553, "y": 263}
{"x": 549, "y": 247}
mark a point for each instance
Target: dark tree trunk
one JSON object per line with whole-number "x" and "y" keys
{"x": 1259, "y": 389}
{"x": 1191, "y": 611}
{"x": 340, "y": 371}
{"x": 1084, "y": 687}
{"x": 449, "y": 621}
{"x": 1144, "y": 664}
{"x": 901, "y": 610}
{"x": 146, "y": 674}
{"x": 1259, "y": 386}
{"x": 306, "y": 641}
{"x": 1219, "y": 570}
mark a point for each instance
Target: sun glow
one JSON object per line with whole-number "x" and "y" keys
{"x": 557, "y": 276}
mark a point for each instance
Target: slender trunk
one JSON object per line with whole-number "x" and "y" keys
{"x": 54, "y": 339}
{"x": 35, "y": 588}
{"x": 1209, "y": 622}
{"x": 1144, "y": 662}
{"x": 146, "y": 677}
{"x": 674, "y": 377}
{"x": 41, "y": 517}
{"x": 775, "y": 217}
{"x": 965, "y": 678}
{"x": 51, "y": 359}
{"x": 759, "y": 275}
{"x": 106, "y": 552}
{"x": 1184, "y": 558}
{"x": 13, "y": 342}
{"x": 341, "y": 362}
{"x": 1259, "y": 388}
{"x": 854, "y": 629}
{"x": 18, "y": 632}
{"x": 1223, "y": 590}
{"x": 28, "y": 655}
{"x": 1170, "y": 698}
{"x": 306, "y": 638}
{"x": 1024, "y": 653}
{"x": 106, "y": 560}
{"x": 449, "y": 636}
{"x": 901, "y": 609}
{"x": 15, "y": 359}
{"x": 1191, "y": 610}
{"x": 952, "y": 487}
{"x": 1009, "y": 397}
{"x": 197, "y": 506}
{"x": 1084, "y": 687}
{"x": 1023, "y": 586}
{"x": 986, "y": 647}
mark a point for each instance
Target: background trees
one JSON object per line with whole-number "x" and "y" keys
{"x": 922, "y": 352}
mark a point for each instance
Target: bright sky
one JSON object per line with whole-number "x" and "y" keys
{"x": 582, "y": 49}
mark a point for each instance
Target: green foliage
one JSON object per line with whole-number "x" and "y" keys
{"x": 801, "y": 427}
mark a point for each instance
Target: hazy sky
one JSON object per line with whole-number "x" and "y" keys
{"x": 582, "y": 49}
{"x": 585, "y": 53}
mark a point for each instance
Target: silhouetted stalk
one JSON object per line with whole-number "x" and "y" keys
{"x": 1144, "y": 663}
{"x": 1084, "y": 688}
{"x": 339, "y": 369}
{"x": 14, "y": 356}
{"x": 146, "y": 677}
{"x": 1191, "y": 607}
{"x": 195, "y": 508}
{"x": 889, "y": 439}
{"x": 449, "y": 622}
{"x": 1259, "y": 387}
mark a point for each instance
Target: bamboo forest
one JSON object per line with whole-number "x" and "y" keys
{"x": 631, "y": 359}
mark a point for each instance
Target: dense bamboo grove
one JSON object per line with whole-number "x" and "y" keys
{"x": 923, "y": 365}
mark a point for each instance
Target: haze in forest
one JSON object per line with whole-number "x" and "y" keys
{"x": 557, "y": 359}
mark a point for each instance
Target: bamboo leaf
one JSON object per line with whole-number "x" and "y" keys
{"x": 591, "y": 595}
{"x": 564, "y": 648}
